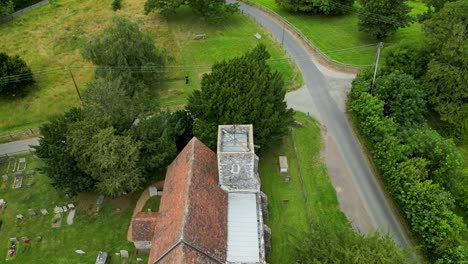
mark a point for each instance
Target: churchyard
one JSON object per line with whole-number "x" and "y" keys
{"x": 46, "y": 224}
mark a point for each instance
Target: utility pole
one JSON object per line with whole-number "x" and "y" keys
{"x": 376, "y": 64}
{"x": 74, "y": 82}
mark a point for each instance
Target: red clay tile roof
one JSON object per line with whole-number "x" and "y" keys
{"x": 143, "y": 225}
{"x": 192, "y": 221}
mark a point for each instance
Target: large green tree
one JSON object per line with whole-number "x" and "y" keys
{"x": 212, "y": 10}
{"x": 380, "y": 18}
{"x": 54, "y": 150}
{"x": 317, "y": 6}
{"x": 123, "y": 51}
{"x": 404, "y": 98}
{"x": 15, "y": 76}
{"x": 436, "y": 4}
{"x": 6, "y": 7}
{"x": 446, "y": 35}
{"x": 243, "y": 90}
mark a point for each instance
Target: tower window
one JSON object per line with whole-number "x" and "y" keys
{"x": 235, "y": 168}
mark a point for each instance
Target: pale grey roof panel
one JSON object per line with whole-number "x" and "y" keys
{"x": 243, "y": 240}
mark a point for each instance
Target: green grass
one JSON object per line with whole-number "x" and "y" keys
{"x": 289, "y": 222}
{"x": 153, "y": 204}
{"x": 106, "y": 231}
{"x": 338, "y": 36}
{"x": 49, "y": 39}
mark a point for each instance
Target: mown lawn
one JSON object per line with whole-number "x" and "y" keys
{"x": 91, "y": 232}
{"x": 338, "y": 36}
{"x": 289, "y": 222}
{"x": 49, "y": 40}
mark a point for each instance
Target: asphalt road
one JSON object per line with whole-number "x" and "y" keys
{"x": 18, "y": 146}
{"x": 336, "y": 123}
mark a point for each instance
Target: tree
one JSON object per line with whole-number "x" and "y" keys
{"x": 181, "y": 122}
{"x": 15, "y": 76}
{"x": 243, "y": 90}
{"x": 158, "y": 147}
{"x": 111, "y": 160}
{"x": 54, "y": 150}
{"x": 6, "y": 7}
{"x": 404, "y": 98}
{"x": 107, "y": 98}
{"x": 406, "y": 57}
{"x": 436, "y": 4}
{"x": 123, "y": 51}
{"x": 316, "y": 6}
{"x": 213, "y": 10}
{"x": 446, "y": 79}
{"x": 340, "y": 244}
{"x": 380, "y": 18}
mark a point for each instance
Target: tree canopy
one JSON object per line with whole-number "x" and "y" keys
{"x": 243, "y": 90}
{"x": 380, "y": 18}
{"x": 446, "y": 78}
{"x": 212, "y": 10}
{"x": 15, "y": 76}
{"x": 6, "y": 7}
{"x": 122, "y": 51}
{"x": 316, "y": 6}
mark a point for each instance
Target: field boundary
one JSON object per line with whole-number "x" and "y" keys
{"x": 23, "y": 11}
{"x": 290, "y": 27}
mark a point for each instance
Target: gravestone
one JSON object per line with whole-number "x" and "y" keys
{"x": 70, "y": 217}
{"x": 2, "y": 203}
{"x": 64, "y": 208}
{"x": 18, "y": 174}
{"x": 44, "y": 211}
{"x": 124, "y": 254}
{"x": 13, "y": 240}
{"x": 71, "y": 206}
{"x": 258, "y": 36}
{"x": 80, "y": 252}
{"x": 200, "y": 36}
{"x": 139, "y": 260}
{"x": 21, "y": 164}
{"x": 25, "y": 239}
{"x": 58, "y": 210}
{"x": 287, "y": 179}
{"x": 19, "y": 216}
{"x": 297, "y": 123}
{"x": 100, "y": 200}
{"x": 153, "y": 191}
{"x": 5, "y": 178}
{"x": 31, "y": 212}
{"x": 30, "y": 181}
{"x": 18, "y": 180}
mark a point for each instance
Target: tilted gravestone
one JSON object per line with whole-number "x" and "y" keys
{"x": 44, "y": 211}
{"x": 31, "y": 212}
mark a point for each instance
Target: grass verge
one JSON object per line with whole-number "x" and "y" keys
{"x": 289, "y": 221}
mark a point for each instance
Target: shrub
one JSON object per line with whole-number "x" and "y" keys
{"x": 116, "y": 5}
{"x": 15, "y": 76}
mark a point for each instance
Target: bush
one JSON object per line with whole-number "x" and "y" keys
{"x": 15, "y": 76}
{"x": 116, "y": 5}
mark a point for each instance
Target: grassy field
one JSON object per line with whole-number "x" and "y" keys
{"x": 49, "y": 39}
{"x": 91, "y": 232}
{"x": 289, "y": 221}
{"x": 338, "y": 36}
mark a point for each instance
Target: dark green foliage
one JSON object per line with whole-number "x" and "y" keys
{"x": 405, "y": 100}
{"x": 110, "y": 159}
{"x": 181, "y": 123}
{"x": 123, "y": 51}
{"x": 213, "y": 10}
{"x": 158, "y": 146}
{"x": 116, "y": 5}
{"x": 380, "y": 18}
{"x": 20, "y": 4}
{"x": 446, "y": 78}
{"x": 445, "y": 164}
{"x": 15, "y": 76}
{"x": 408, "y": 173}
{"x": 107, "y": 99}
{"x": 406, "y": 57}
{"x": 317, "y": 6}
{"x": 340, "y": 244}
{"x": 54, "y": 150}
{"x": 454, "y": 255}
{"x": 243, "y": 90}
{"x": 6, "y": 7}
